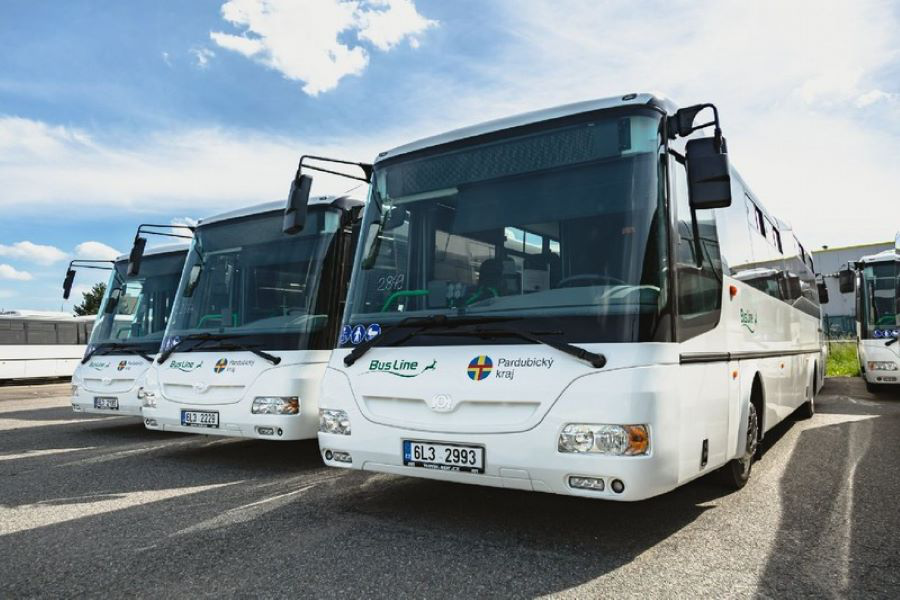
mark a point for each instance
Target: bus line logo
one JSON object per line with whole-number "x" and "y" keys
{"x": 400, "y": 368}
{"x": 748, "y": 320}
{"x": 122, "y": 365}
{"x": 480, "y": 367}
{"x": 98, "y": 365}
{"x": 220, "y": 365}
{"x": 186, "y": 366}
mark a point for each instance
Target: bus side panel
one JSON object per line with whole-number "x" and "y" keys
{"x": 705, "y": 398}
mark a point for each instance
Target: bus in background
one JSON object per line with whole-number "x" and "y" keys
{"x": 37, "y": 344}
{"x": 876, "y": 279}
{"x": 576, "y": 300}
{"x": 256, "y": 316}
{"x": 127, "y": 332}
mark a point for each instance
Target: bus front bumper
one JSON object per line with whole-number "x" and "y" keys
{"x": 235, "y": 420}
{"x": 105, "y": 403}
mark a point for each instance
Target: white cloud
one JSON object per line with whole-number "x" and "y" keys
{"x": 206, "y": 170}
{"x": 202, "y": 56}
{"x": 874, "y": 96}
{"x": 167, "y": 59}
{"x": 187, "y": 221}
{"x": 37, "y": 253}
{"x": 9, "y": 272}
{"x": 307, "y": 40}
{"x": 4, "y": 294}
{"x": 96, "y": 251}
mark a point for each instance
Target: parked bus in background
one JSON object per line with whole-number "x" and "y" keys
{"x": 574, "y": 300}
{"x": 36, "y": 344}
{"x": 876, "y": 279}
{"x": 127, "y": 332}
{"x": 256, "y": 316}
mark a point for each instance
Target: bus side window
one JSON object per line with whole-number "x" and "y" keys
{"x": 699, "y": 268}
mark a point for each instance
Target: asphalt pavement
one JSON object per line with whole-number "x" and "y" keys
{"x": 101, "y": 507}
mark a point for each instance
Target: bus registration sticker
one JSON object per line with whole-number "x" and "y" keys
{"x": 443, "y": 457}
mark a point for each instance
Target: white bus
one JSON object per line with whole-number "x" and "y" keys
{"x": 127, "y": 332}
{"x": 561, "y": 308}
{"x": 877, "y": 282}
{"x": 37, "y": 345}
{"x": 256, "y": 316}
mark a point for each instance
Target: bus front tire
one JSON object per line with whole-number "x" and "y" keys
{"x": 874, "y": 388}
{"x": 736, "y": 473}
{"x": 808, "y": 408}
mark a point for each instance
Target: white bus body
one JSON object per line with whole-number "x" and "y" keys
{"x": 878, "y": 318}
{"x": 127, "y": 333}
{"x": 36, "y": 345}
{"x": 250, "y": 286}
{"x": 567, "y": 226}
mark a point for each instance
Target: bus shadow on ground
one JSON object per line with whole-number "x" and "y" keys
{"x": 839, "y": 523}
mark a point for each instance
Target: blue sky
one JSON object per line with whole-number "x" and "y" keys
{"x": 115, "y": 113}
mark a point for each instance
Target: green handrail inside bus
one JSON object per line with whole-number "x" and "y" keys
{"x": 204, "y": 318}
{"x": 402, "y": 294}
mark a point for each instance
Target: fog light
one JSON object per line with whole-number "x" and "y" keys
{"x": 265, "y": 430}
{"x": 617, "y": 440}
{"x": 334, "y": 421}
{"x": 329, "y": 455}
{"x": 150, "y": 422}
{"x": 587, "y": 483}
{"x": 343, "y": 457}
{"x": 881, "y": 365}
{"x": 276, "y": 405}
{"x": 617, "y": 486}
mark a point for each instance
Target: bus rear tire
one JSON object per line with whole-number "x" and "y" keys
{"x": 736, "y": 472}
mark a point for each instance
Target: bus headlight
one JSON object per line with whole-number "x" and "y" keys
{"x": 881, "y": 365}
{"x": 276, "y": 405}
{"x": 616, "y": 440}
{"x": 147, "y": 398}
{"x": 334, "y": 421}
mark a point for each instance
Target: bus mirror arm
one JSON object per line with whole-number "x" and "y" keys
{"x": 298, "y": 197}
{"x": 709, "y": 174}
{"x": 137, "y": 249}
{"x": 84, "y": 264}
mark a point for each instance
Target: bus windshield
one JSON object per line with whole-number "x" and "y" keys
{"x": 881, "y": 306}
{"x": 561, "y": 226}
{"x": 247, "y": 279}
{"x": 135, "y": 310}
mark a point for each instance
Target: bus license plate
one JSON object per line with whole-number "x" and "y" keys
{"x": 106, "y": 402}
{"x": 199, "y": 418}
{"x": 443, "y": 457}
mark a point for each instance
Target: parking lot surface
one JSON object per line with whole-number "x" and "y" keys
{"x": 99, "y": 506}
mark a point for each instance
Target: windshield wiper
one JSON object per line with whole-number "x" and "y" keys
{"x": 598, "y": 361}
{"x": 201, "y": 339}
{"x": 236, "y": 346}
{"x": 417, "y": 325}
{"x": 119, "y": 347}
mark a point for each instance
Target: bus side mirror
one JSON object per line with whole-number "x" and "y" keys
{"x": 67, "y": 283}
{"x": 709, "y": 177}
{"x": 298, "y": 199}
{"x": 193, "y": 279}
{"x": 794, "y": 287}
{"x": 112, "y": 302}
{"x": 137, "y": 253}
{"x": 823, "y": 292}
{"x": 846, "y": 281}
{"x": 371, "y": 245}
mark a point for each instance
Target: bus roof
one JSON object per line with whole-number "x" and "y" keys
{"x": 556, "y": 112}
{"x": 161, "y": 249}
{"x": 884, "y": 256}
{"x": 278, "y": 205}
